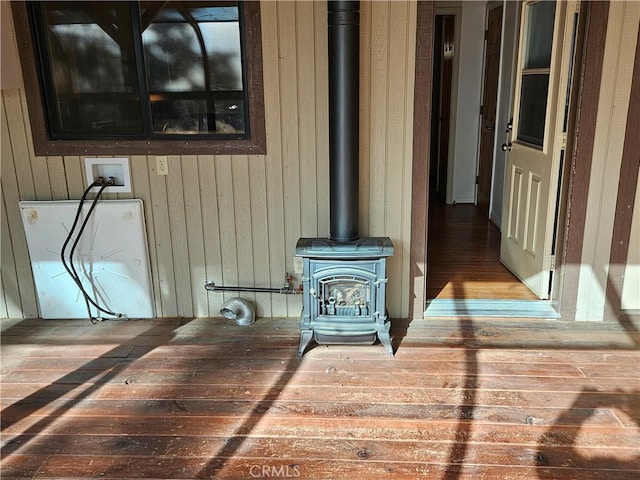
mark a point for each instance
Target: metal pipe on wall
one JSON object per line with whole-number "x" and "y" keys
{"x": 212, "y": 287}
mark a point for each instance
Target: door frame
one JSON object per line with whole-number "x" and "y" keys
{"x": 589, "y": 54}
{"x": 490, "y": 6}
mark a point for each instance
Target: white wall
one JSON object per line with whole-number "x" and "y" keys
{"x": 467, "y": 113}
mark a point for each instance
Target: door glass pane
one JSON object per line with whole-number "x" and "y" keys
{"x": 194, "y": 64}
{"x": 533, "y": 108}
{"x": 534, "y": 86}
{"x": 540, "y": 17}
{"x": 90, "y": 77}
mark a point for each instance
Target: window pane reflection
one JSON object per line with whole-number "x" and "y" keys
{"x": 92, "y": 74}
{"x": 533, "y": 108}
{"x": 539, "y": 34}
{"x": 194, "y": 64}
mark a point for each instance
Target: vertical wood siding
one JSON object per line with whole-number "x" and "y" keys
{"x": 630, "y": 296}
{"x": 609, "y": 137}
{"x": 236, "y": 219}
{"x": 387, "y": 82}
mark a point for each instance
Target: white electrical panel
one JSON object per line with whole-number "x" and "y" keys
{"x": 111, "y": 258}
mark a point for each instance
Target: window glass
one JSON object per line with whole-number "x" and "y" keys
{"x": 92, "y": 82}
{"x": 194, "y": 69}
{"x": 142, "y": 70}
{"x": 535, "y": 73}
{"x": 533, "y": 108}
{"x": 539, "y": 34}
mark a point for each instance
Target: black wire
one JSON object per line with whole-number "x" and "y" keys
{"x": 75, "y": 278}
{"x": 75, "y": 244}
{"x": 71, "y": 268}
{"x": 73, "y": 227}
{"x": 74, "y": 275}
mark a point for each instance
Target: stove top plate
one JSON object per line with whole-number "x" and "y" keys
{"x": 367, "y": 247}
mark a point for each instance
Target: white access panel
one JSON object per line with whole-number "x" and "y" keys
{"x": 111, "y": 258}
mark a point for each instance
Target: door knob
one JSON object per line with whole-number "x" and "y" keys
{"x": 506, "y": 147}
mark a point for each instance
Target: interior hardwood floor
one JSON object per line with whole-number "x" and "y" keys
{"x": 464, "y": 257}
{"x": 204, "y": 398}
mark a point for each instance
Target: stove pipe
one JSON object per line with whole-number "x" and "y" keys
{"x": 344, "y": 43}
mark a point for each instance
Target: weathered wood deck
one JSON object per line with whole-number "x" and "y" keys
{"x": 202, "y": 399}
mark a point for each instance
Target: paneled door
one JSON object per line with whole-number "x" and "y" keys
{"x": 536, "y": 141}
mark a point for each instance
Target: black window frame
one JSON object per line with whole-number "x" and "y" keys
{"x": 253, "y": 143}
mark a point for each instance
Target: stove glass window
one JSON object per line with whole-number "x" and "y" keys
{"x": 344, "y": 295}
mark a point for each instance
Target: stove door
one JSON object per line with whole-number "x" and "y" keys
{"x": 345, "y": 293}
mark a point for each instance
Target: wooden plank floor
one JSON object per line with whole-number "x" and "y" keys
{"x": 204, "y": 398}
{"x": 464, "y": 257}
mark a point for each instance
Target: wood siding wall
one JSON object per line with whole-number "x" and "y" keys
{"x": 235, "y": 220}
{"x": 604, "y": 183}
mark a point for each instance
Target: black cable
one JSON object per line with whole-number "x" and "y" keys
{"x": 75, "y": 244}
{"x": 73, "y": 274}
{"x": 68, "y": 239}
{"x": 71, "y": 268}
{"x": 75, "y": 222}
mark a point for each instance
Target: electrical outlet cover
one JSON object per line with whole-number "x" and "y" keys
{"x": 111, "y": 259}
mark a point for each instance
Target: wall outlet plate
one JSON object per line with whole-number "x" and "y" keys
{"x": 162, "y": 165}
{"x": 298, "y": 265}
{"x": 118, "y": 168}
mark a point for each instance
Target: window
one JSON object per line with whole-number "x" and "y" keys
{"x": 535, "y": 72}
{"x": 143, "y": 77}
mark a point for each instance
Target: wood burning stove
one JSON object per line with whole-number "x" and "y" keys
{"x": 344, "y": 277}
{"x": 344, "y": 285}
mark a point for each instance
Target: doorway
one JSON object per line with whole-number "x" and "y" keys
{"x": 441, "y": 113}
{"x": 464, "y": 247}
{"x": 589, "y": 44}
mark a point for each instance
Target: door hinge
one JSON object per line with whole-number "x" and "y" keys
{"x": 486, "y": 34}
{"x": 477, "y": 179}
{"x": 481, "y": 109}
{"x": 550, "y": 262}
{"x": 564, "y": 141}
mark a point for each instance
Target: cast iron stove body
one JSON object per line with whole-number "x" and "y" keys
{"x": 344, "y": 285}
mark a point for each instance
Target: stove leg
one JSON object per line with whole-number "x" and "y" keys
{"x": 385, "y": 339}
{"x": 305, "y": 338}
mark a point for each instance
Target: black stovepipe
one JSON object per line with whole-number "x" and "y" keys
{"x": 343, "y": 20}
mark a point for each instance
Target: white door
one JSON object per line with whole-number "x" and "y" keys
{"x": 536, "y": 141}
